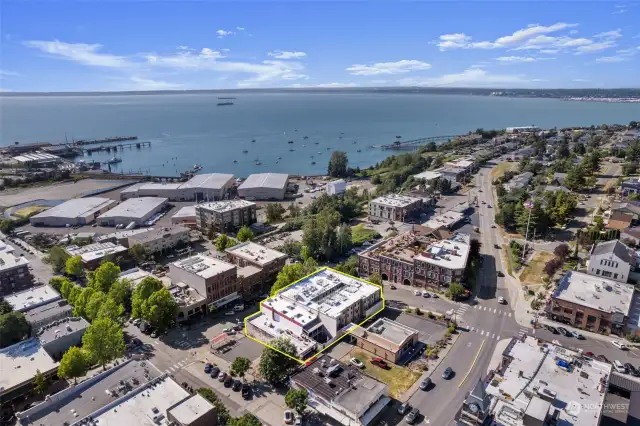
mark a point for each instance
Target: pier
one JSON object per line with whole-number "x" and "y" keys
{"x": 104, "y": 140}
{"x": 415, "y": 143}
{"x": 114, "y": 148}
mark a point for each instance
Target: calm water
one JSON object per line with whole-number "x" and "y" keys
{"x": 191, "y": 129}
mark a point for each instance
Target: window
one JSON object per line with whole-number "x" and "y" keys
{"x": 606, "y": 274}
{"x": 615, "y": 276}
{"x": 598, "y": 272}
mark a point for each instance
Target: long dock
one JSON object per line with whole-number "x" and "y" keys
{"x": 114, "y": 148}
{"x": 104, "y": 140}
{"x": 415, "y": 143}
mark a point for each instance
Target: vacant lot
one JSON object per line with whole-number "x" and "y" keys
{"x": 499, "y": 170}
{"x": 360, "y": 234}
{"x": 399, "y": 379}
{"x": 533, "y": 272}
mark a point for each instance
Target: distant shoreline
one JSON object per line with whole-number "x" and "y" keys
{"x": 626, "y": 95}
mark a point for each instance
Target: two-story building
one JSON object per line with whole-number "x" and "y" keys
{"x": 612, "y": 260}
{"x": 258, "y": 266}
{"x": 394, "y": 207}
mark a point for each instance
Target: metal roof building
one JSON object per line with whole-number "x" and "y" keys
{"x": 78, "y": 211}
{"x": 264, "y": 186}
{"x": 136, "y": 210}
{"x": 207, "y": 187}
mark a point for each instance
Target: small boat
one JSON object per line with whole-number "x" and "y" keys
{"x": 295, "y": 130}
{"x": 197, "y": 167}
{"x": 355, "y": 142}
{"x": 359, "y": 150}
{"x": 235, "y": 161}
{"x": 253, "y": 140}
{"x": 258, "y": 163}
{"x": 328, "y": 148}
{"x": 115, "y": 160}
{"x": 304, "y": 145}
{"x": 245, "y": 151}
{"x": 279, "y": 158}
{"x": 224, "y": 103}
{"x": 342, "y": 133}
{"x": 306, "y": 137}
{"x": 291, "y": 150}
{"x": 290, "y": 142}
{"x": 313, "y": 162}
{"x": 317, "y": 143}
{"x": 319, "y": 152}
{"x": 339, "y": 137}
{"x": 398, "y": 137}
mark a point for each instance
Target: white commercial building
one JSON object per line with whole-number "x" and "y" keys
{"x": 264, "y": 186}
{"x": 428, "y": 175}
{"x": 205, "y": 187}
{"x": 394, "y": 207}
{"x": 160, "y": 239}
{"x": 38, "y": 159}
{"x": 185, "y": 216}
{"x": 317, "y": 307}
{"x": 224, "y": 215}
{"x": 137, "y": 210}
{"x": 446, "y": 220}
{"x": 612, "y": 260}
{"x": 32, "y": 298}
{"x": 336, "y": 187}
{"x": 78, "y": 211}
{"x": 93, "y": 254}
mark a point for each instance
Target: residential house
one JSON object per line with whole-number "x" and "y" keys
{"x": 612, "y": 260}
{"x": 619, "y": 220}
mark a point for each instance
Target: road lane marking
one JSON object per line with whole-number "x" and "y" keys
{"x": 482, "y": 333}
{"x": 472, "y": 364}
{"x": 509, "y": 314}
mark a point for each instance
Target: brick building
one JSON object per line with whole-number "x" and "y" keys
{"x": 258, "y": 266}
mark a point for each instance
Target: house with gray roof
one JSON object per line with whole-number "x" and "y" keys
{"x": 612, "y": 260}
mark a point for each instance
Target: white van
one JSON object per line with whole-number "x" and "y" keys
{"x": 619, "y": 367}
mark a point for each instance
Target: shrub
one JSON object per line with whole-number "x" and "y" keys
{"x": 430, "y": 315}
{"x": 418, "y": 311}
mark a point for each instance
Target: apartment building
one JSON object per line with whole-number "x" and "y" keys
{"x": 258, "y": 266}
{"x": 394, "y": 207}
{"x": 225, "y": 215}
{"x": 14, "y": 273}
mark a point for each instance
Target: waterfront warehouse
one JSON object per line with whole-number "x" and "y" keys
{"x": 205, "y": 187}
{"x": 138, "y": 210}
{"x": 78, "y": 211}
{"x": 264, "y": 186}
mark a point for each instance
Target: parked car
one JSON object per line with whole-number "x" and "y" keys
{"x": 237, "y": 385}
{"x": 619, "y": 345}
{"x": 222, "y": 376}
{"x": 565, "y": 332}
{"x": 435, "y": 295}
{"x": 416, "y": 292}
{"x": 502, "y": 300}
{"x": 298, "y": 421}
{"x": 447, "y": 373}
{"x": 424, "y": 385}
{"x": 228, "y": 382}
{"x": 214, "y": 372}
{"x": 379, "y": 362}
{"x": 230, "y": 313}
{"x": 288, "y": 417}
{"x": 632, "y": 370}
{"x": 552, "y": 329}
{"x": 238, "y": 308}
{"x": 619, "y": 367}
{"x": 577, "y": 335}
{"x": 246, "y": 391}
{"x": 590, "y": 354}
{"x": 356, "y": 362}
{"x": 403, "y": 409}
{"x": 497, "y": 246}
{"x": 412, "y": 417}
{"x": 500, "y": 274}
{"x": 207, "y": 367}
{"x": 426, "y": 294}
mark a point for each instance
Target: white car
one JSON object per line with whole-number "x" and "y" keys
{"x": 417, "y": 293}
{"x": 356, "y": 362}
{"x": 238, "y": 308}
{"x": 619, "y": 345}
{"x": 502, "y": 300}
{"x": 230, "y": 313}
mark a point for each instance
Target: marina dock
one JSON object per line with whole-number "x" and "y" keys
{"x": 109, "y": 148}
{"x": 415, "y": 143}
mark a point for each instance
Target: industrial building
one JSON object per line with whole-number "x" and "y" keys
{"x": 336, "y": 187}
{"x": 264, "y": 186}
{"x": 258, "y": 266}
{"x": 418, "y": 259}
{"x": 186, "y": 216}
{"x": 14, "y": 273}
{"x": 394, "y": 207}
{"x": 212, "y": 278}
{"x": 205, "y": 187}
{"x": 32, "y": 298}
{"x": 342, "y": 391}
{"x": 136, "y": 210}
{"x": 160, "y": 239}
{"x": 37, "y": 159}
{"x": 316, "y": 309}
{"x": 225, "y": 215}
{"x": 78, "y": 211}
{"x": 94, "y": 254}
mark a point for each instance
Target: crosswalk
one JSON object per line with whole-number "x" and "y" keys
{"x": 525, "y": 331}
{"x": 461, "y": 310}
{"x": 177, "y": 366}
{"x": 487, "y": 334}
{"x": 492, "y": 310}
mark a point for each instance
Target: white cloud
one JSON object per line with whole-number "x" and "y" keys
{"x": 581, "y": 80}
{"x": 622, "y": 55}
{"x": 608, "y": 35}
{"x": 572, "y": 32}
{"x": 223, "y": 33}
{"x": 139, "y": 83}
{"x": 472, "y": 77}
{"x": 382, "y": 68}
{"x": 323, "y": 85}
{"x": 595, "y": 47}
{"x": 7, "y": 73}
{"x": 283, "y": 54}
{"x": 240, "y": 28}
{"x": 87, "y": 54}
{"x": 183, "y": 47}
{"x": 610, "y": 59}
{"x": 515, "y": 59}
{"x": 538, "y": 79}
{"x": 619, "y": 12}
{"x": 379, "y": 81}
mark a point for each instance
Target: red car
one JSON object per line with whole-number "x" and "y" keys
{"x": 379, "y": 362}
{"x": 590, "y": 354}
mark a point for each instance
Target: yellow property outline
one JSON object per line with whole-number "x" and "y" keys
{"x": 337, "y": 340}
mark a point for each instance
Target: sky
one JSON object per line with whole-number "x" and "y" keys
{"x": 116, "y": 45}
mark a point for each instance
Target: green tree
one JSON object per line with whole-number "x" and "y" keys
{"x": 73, "y": 364}
{"x": 40, "y": 383}
{"x": 74, "y": 294}
{"x": 74, "y": 266}
{"x": 160, "y": 309}
{"x": 138, "y": 253}
{"x": 103, "y": 341}
{"x": 245, "y": 234}
{"x": 292, "y": 273}
{"x": 240, "y": 366}
{"x": 338, "y": 164}
{"x": 65, "y": 288}
{"x": 104, "y": 277}
{"x": 349, "y": 266}
{"x": 275, "y": 367}
{"x": 13, "y": 328}
{"x": 112, "y": 310}
{"x": 319, "y": 234}
{"x": 297, "y": 399}
{"x": 211, "y": 233}
{"x": 455, "y": 289}
{"x": 221, "y": 409}
{"x": 344, "y": 240}
{"x": 292, "y": 248}
{"x": 120, "y": 292}
{"x": 56, "y": 283}
{"x": 575, "y": 179}
{"x": 5, "y": 307}
{"x": 375, "y": 278}
{"x": 274, "y": 212}
{"x": 80, "y": 304}
{"x": 97, "y": 300}
{"x": 57, "y": 258}
{"x": 141, "y": 293}
{"x": 244, "y": 420}
{"x": 221, "y": 242}
{"x": 294, "y": 210}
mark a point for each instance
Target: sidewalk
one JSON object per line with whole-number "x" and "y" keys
{"x": 588, "y": 334}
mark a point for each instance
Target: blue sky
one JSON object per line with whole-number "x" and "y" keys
{"x": 147, "y": 45}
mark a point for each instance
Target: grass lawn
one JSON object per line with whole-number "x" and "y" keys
{"x": 499, "y": 170}
{"x": 399, "y": 379}
{"x": 533, "y": 272}
{"x": 30, "y": 210}
{"x": 360, "y": 234}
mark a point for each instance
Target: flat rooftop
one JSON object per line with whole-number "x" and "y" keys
{"x": 144, "y": 407}
{"x": 121, "y": 235}
{"x": 395, "y": 200}
{"x": 225, "y": 206}
{"x": 32, "y": 298}
{"x": 87, "y": 398}
{"x": 450, "y": 254}
{"x": 391, "y": 331}
{"x": 328, "y": 291}
{"x": 190, "y": 410}
{"x": 186, "y": 211}
{"x": 48, "y": 310}
{"x": 272, "y": 329}
{"x": 595, "y": 292}
{"x": 76, "y": 207}
{"x": 445, "y": 220}
{"x": 95, "y": 251}
{"x": 159, "y": 233}
{"x": 203, "y": 266}
{"x": 21, "y": 361}
{"x": 255, "y": 253}
{"x": 185, "y": 295}
{"x": 159, "y": 186}
{"x": 133, "y": 188}
{"x": 534, "y": 367}
{"x": 428, "y": 175}
{"x": 135, "y": 275}
{"x": 6, "y": 248}
{"x": 350, "y": 389}
{"x": 404, "y": 247}
{"x": 208, "y": 181}
{"x": 61, "y": 328}
{"x": 9, "y": 261}
{"x": 37, "y": 157}
{"x": 265, "y": 180}
{"x": 135, "y": 208}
